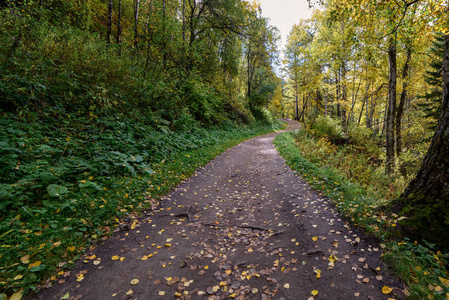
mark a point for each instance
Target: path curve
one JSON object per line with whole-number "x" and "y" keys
{"x": 256, "y": 231}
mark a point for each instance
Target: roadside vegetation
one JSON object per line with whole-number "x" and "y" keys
{"x": 350, "y": 170}
{"x": 107, "y": 105}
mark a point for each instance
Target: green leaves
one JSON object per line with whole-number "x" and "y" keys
{"x": 55, "y": 190}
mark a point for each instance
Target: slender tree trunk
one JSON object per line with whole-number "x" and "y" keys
{"x": 119, "y": 27}
{"x": 109, "y": 26}
{"x": 365, "y": 99}
{"x": 164, "y": 42}
{"x": 391, "y": 107}
{"x": 183, "y": 24}
{"x": 402, "y": 101}
{"x": 296, "y": 99}
{"x": 136, "y": 4}
{"x": 425, "y": 202}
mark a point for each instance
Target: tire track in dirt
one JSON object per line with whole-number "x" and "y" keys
{"x": 243, "y": 227}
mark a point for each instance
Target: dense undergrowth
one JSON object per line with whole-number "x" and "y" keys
{"x": 349, "y": 169}
{"x": 67, "y": 183}
{"x": 92, "y": 132}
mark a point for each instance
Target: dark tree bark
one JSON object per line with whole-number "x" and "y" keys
{"x": 109, "y": 28}
{"x": 425, "y": 202}
{"x": 136, "y": 22}
{"x": 119, "y": 27}
{"x": 401, "y": 106}
{"x": 391, "y": 110}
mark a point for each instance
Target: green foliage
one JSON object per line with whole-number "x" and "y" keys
{"x": 420, "y": 266}
{"x": 434, "y": 78}
{"x": 424, "y": 269}
{"x": 328, "y": 127}
{"x": 67, "y": 193}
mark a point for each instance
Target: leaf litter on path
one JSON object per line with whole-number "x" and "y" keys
{"x": 242, "y": 226}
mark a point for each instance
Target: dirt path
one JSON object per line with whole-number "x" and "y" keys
{"x": 256, "y": 231}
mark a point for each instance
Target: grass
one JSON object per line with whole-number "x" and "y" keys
{"x": 67, "y": 206}
{"x": 359, "y": 189}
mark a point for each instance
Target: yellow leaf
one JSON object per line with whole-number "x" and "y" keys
{"x": 161, "y": 293}
{"x": 286, "y": 286}
{"x": 18, "y": 277}
{"x": 169, "y": 240}
{"x": 318, "y": 273}
{"x": 233, "y": 295}
{"x": 71, "y": 249}
{"x": 79, "y": 277}
{"x": 314, "y": 238}
{"x": 57, "y": 244}
{"x": 17, "y": 295}
{"x": 129, "y": 292}
{"x": 168, "y": 245}
{"x": 41, "y": 246}
{"x": 314, "y": 293}
{"x": 25, "y": 259}
{"x": 444, "y": 281}
{"x": 35, "y": 264}
{"x": 228, "y": 272}
{"x": 115, "y": 257}
{"x": 134, "y": 281}
{"x": 386, "y": 290}
{"x": 206, "y": 267}
{"x": 438, "y": 289}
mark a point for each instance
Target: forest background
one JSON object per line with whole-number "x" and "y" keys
{"x": 107, "y": 104}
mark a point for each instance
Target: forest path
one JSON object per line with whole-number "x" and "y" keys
{"x": 256, "y": 231}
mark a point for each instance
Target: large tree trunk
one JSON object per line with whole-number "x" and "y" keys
{"x": 401, "y": 106}
{"x": 425, "y": 202}
{"x": 389, "y": 125}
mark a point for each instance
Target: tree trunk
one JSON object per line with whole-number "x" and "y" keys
{"x": 389, "y": 125}
{"x": 425, "y": 202}
{"x": 136, "y": 21}
{"x": 401, "y": 106}
{"x": 119, "y": 27}
{"x": 296, "y": 99}
{"x": 109, "y": 26}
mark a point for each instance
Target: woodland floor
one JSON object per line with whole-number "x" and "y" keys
{"x": 244, "y": 226}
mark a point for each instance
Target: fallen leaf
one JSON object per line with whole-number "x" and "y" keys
{"x": 134, "y": 281}
{"x": 115, "y": 257}
{"x": 18, "y": 277}
{"x": 386, "y": 290}
{"x": 129, "y": 292}
{"x": 66, "y": 296}
{"x": 318, "y": 273}
{"x": 17, "y": 295}
{"x": 25, "y": 259}
{"x": 161, "y": 293}
{"x": 71, "y": 248}
{"x": 314, "y": 293}
{"x": 287, "y": 285}
{"x": 35, "y": 264}
{"x": 314, "y": 238}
